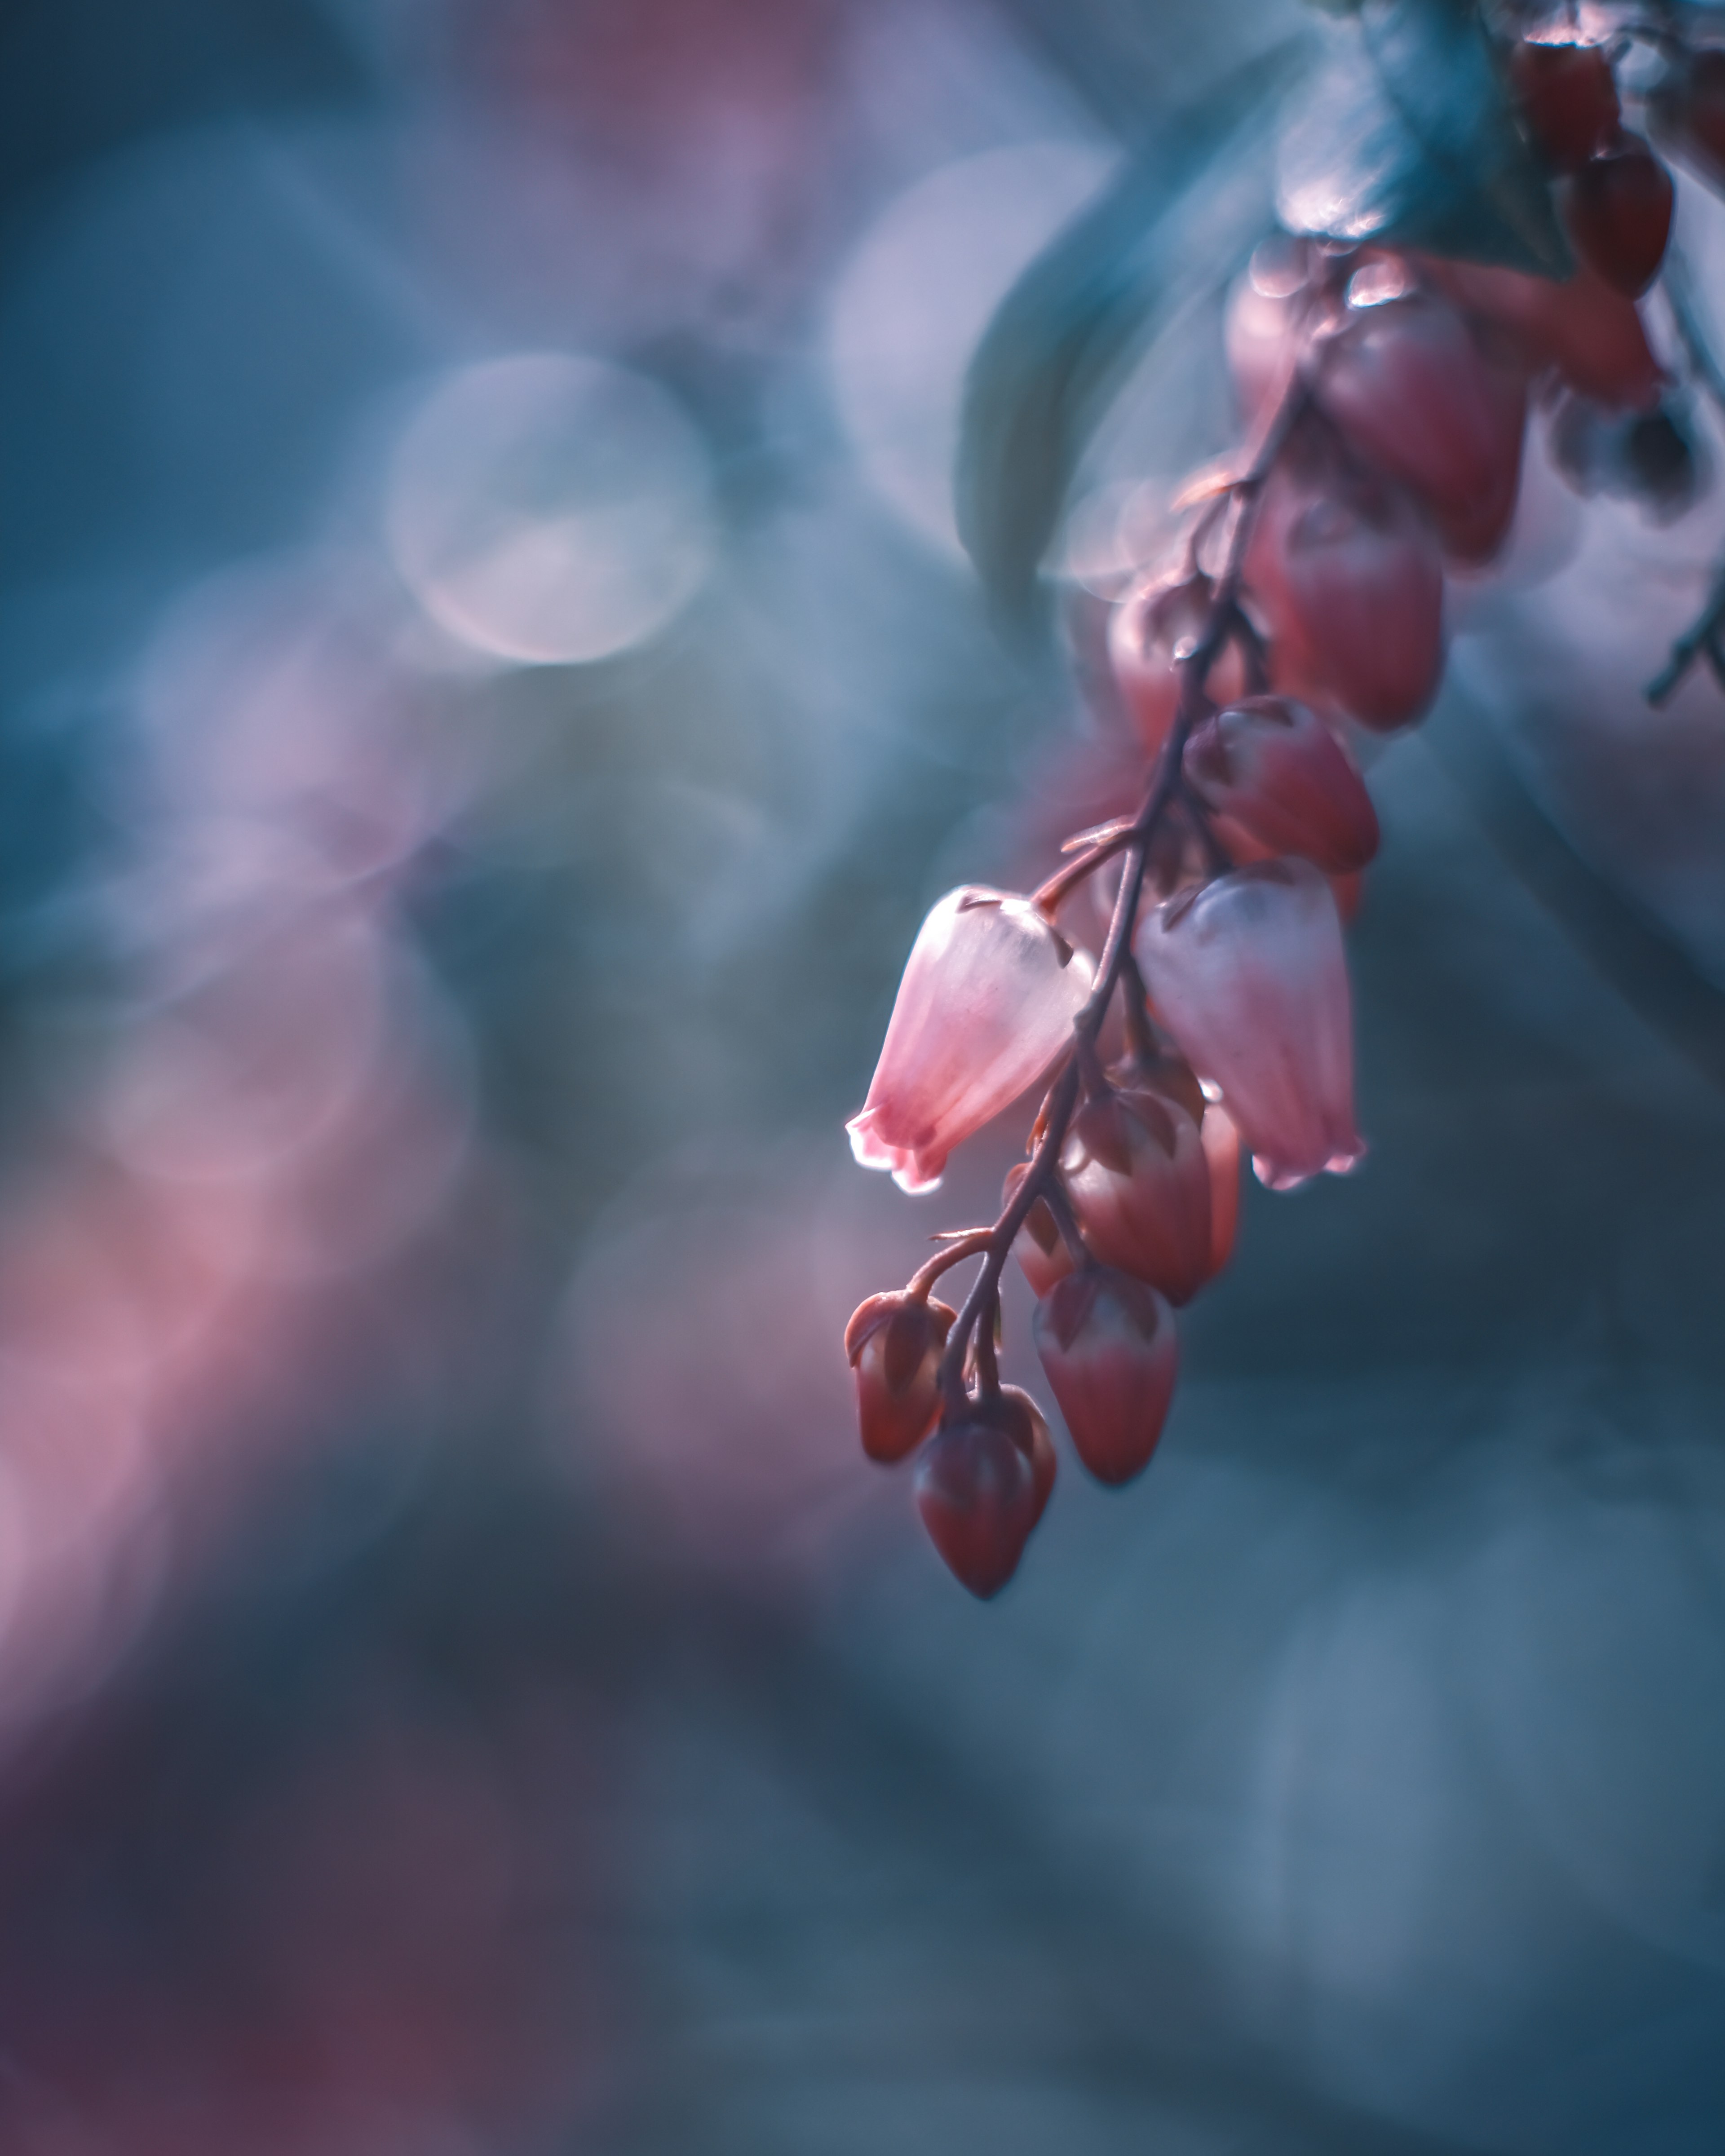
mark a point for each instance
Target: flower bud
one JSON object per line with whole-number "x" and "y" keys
{"x": 894, "y": 1342}
{"x": 1273, "y": 770}
{"x": 1134, "y": 1169}
{"x": 1618, "y": 209}
{"x": 1411, "y": 389}
{"x": 1260, "y": 327}
{"x": 1221, "y": 1151}
{"x": 1167, "y": 1075}
{"x": 1108, "y": 1344}
{"x": 1592, "y": 335}
{"x": 1349, "y": 575}
{"x": 986, "y": 1003}
{"x": 1567, "y": 96}
{"x": 1011, "y": 1409}
{"x": 1249, "y": 976}
{"x": 976, "y": 1490}
{"x": 1152, "y": 629}
{"x": 1039, "y": 1245}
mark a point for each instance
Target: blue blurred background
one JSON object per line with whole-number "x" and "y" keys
{"x": 488, "y": 687}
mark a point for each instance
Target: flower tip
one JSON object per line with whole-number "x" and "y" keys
{"x": 911, "y": 1171}
{"x": 1277, "y": 1175}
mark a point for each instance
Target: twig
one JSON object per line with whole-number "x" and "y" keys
{"x": 981, "y": 1305}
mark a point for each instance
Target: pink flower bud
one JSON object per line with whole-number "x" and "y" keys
{"x": 986, "y": 1004}
{"x": 1347, "y": 571}
{"x": 894, "y": 1342}
{"x": 1150, "y": 632}
{"x": 1134, "y": 1169}
{"x": 1108, "y": 1344}
{"x": 1410, "y": 388}
{"x": 1221, "y": 1151}
{"x": 1169, "y": 1076}
{"x": 1593, "y": 336}
{"x": 1040, "y": 1246}
{"x": 1248, "y": 974}
{"x": 1013, "y": 1410}
{"x": 976, "y": 1490}
{"x": 1273, "y": 769}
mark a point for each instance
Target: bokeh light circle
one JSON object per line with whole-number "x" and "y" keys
{"x": 912, "y": 305}
{"x": 550, "y": 508}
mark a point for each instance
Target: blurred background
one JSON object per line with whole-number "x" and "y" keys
{"x": 488, "y": 686}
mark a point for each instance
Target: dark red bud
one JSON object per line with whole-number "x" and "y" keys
{"x": 894, "y": 1342}
{"x": 1567, "y": 95}
{"x": 1040, "y": 1247}
{"x": 1277, "y": 772}
{"x": 1108, "y": 1344}
{"x": 1619, "y": 212}
{"x": 1134, "y": 1169}
{"x": 976, "y": 1490}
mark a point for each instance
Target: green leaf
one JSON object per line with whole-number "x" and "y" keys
{"x": 1407, "y": 137}
{"x": 1178, "y": 219}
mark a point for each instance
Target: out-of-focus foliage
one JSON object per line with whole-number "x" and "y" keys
{"x": 1404, "y": 136}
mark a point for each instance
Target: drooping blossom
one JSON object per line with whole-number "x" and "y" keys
{"x": 1272, "y": 768}
{"x": 1346, "y": 569}
{"x": 1150, "y": 632}
{"x": 1135, "y": 1170}
{"x": 1414, "y": 393}
{"x": 986, "y": 1003}
{"x": 1108, "y": 1344}
{"x": 979, "y": 1494}
{"x": 1248, "y": 974}
{"x": 894, "y": 1342}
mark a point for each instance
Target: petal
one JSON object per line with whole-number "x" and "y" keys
{"x": 1248, "y": 973}
{"x": 986, "y": 1003}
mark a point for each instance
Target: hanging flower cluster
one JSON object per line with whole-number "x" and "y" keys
{"x": 1386, "y": 395}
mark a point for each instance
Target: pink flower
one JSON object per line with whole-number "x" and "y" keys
{"x": 1248, "y": 975}
{"x": 986, "y": 1003}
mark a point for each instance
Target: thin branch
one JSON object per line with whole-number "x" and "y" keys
{"x": 982, "y": 1303}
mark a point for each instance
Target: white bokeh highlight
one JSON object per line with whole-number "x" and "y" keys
{"x": 913, "y": 303}
{"x": 550, "y": 509}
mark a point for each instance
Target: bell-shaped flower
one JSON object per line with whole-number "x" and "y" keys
{"x": 1108, "y": 1344}
{"x": 1134, "y": 1169}
{"x": 894, "y": 1342}
{"x": 1039, "y": 1245}
{"x": 1274, "y": 770}
{"x": 977, "y": 1492}
{"x": 1248, "y": 974}
{"x": 987, "y": 1004}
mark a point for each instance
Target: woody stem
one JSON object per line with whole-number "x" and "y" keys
{"x": 981, "y": 1304}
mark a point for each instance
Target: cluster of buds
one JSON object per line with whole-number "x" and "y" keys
{"x": 1385, "y": 397}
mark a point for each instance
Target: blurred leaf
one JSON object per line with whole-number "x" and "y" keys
{"x": 1408, "y": 137}
{"x": 1181, "y": 214}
